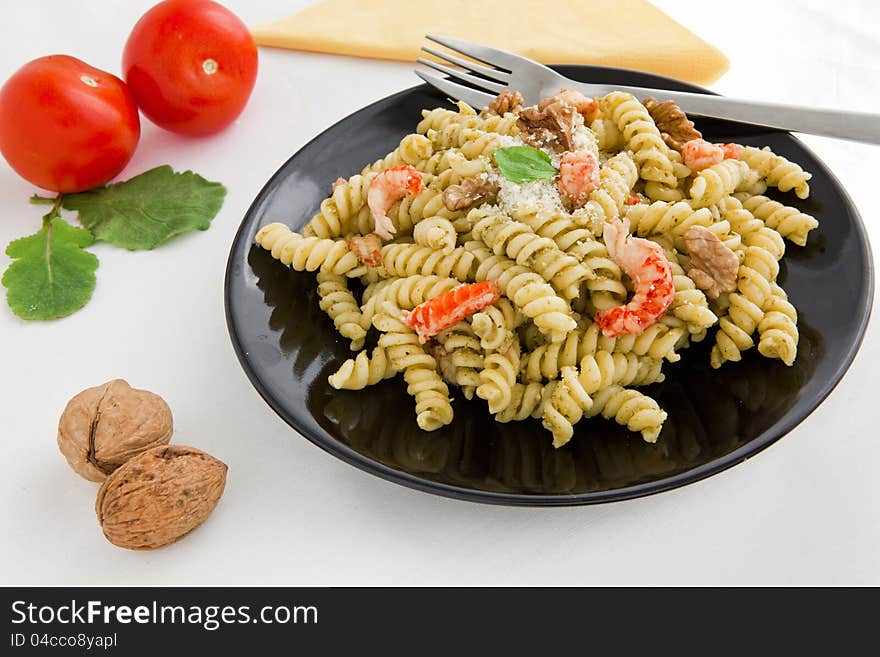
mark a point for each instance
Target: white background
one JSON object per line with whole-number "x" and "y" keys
{"x": 805, "y": 511}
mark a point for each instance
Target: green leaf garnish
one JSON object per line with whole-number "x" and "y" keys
{"x": 522, "y": 164}
{"x": 51, "y": 276}
{"x": 148, "y": 209}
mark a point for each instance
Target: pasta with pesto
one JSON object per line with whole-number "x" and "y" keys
{"x": 550, "y": 263}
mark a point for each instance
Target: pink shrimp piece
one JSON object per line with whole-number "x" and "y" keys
{"x": 646, "y": 264}
{"x": 385, "y": 190}
{"x": 699, "y": 154}
{"x": 586, "y": 107}
{"x": 732, "y": 151}
{"x": 367, "y": 248}
{"x": 578, "y": 176}
{"x": 448, "y": 309}
{"x": 339, "y": 181}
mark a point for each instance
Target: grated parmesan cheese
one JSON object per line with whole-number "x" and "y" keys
{"x": 528, "y": 197}
{"x": 505, "y": 141}
{"x": 540, "y": 195}
{"x": 584, "y": 139}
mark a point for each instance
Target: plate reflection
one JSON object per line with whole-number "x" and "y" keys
{"x": 711, "y": 412}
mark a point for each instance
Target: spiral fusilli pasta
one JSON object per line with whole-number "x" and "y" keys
{"x": 309, "y": 253}
{"x": 778, "y": 329}
{"x": 746, "y": 310}
{"x": 616, "y": 179}
{"x": 556, "y": 225}
{"x": 598, "y": 387}
{"x": 526, "y": 400}
{"x": 400, "y": 259}
{"x": 440, "y": 118}
{"x": 495, "y": 325}
{"x": 462, "y": 357}
{"x": 662, "y": 218}
{"x": 361, "y": 371}
{"x": 497, "y": 378}
{"x": 606, "y": 290}
{"x": 531, "y": 294}
{"x": 777, "y": 171}
{"x": 630, "y": 408}
{"x": 436, "y": 233}
{"x": 690, "y": 304}
{"x": 413, "y": 148}
{"x": 608, "y": 136}
{"x": 789, "y": 222}
{"x": 341, "y": 306}
{"x": 540, "y": 244}
{"x": 406, "y": 292}
{"x": 346, "y": 208}
{"x": 433, "y": 408}
{"x": 520, "y": 243}
{"x": 649, "y": 349}
{"x": 713, "y": 184}
{"x": 640, "y": 135}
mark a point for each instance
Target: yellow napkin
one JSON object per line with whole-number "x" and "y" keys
{"x": 625, "y": 33}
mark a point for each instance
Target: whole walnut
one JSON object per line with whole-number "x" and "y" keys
{"x": 159, "y": 496}
{"x": 103, "y": 427}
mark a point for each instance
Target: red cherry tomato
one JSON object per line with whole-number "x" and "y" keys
{"x": 67, "y": 126}
{"x": 191, "y": 66}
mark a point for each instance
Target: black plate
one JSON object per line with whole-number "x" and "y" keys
{"x": 717, "y": 418}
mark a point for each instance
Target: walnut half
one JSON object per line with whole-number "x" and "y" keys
{"x": 506, "y": 101}
{"x": 471, "y": 192}
{"x": 550, "y": 124}
{"x": 674, "y": 125}
{"x": 713, "y": 266}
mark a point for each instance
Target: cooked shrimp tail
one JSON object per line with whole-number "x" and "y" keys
{"x": 387, "y": 188}
{"x": 646, "y": 264}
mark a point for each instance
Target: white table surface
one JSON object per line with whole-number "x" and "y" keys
{"x": 805, "y": 511}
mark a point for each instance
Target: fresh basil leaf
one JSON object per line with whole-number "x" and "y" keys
{"x": 51, "y": 275}
{"x": 522, "y": 164}
{"x": 147, "y": 210}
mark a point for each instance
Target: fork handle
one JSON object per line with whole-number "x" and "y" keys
{"x": 858, "y": 126}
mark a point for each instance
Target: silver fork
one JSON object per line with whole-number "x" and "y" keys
{"x": 535, "y": 81}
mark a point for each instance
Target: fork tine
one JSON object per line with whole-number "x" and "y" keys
{"x": 465, "y": 77}
{"x": 492, "y": 73}
{"x": 485, "y": 54}
{"x": 474, "y": 98}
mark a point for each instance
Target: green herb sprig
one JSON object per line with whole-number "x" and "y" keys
{"x": 522, "y": 164}
{"x": 52, "y": 275}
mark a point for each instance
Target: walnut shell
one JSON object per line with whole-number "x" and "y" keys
{"x": 103, "y": 427}
{"x": 159, "y": 496}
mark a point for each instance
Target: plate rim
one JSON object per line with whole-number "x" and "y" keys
{"x": 698, "y": 473}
